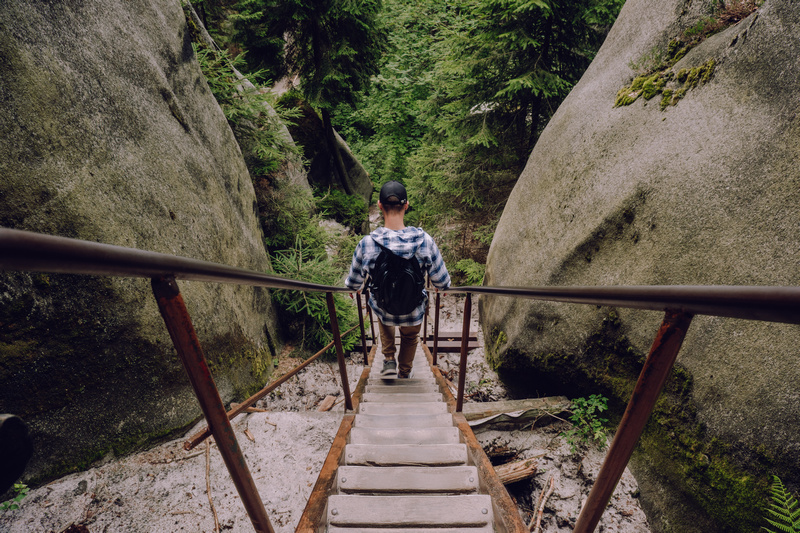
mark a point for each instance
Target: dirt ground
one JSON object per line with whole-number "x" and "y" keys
{"x": 168, "y": 489}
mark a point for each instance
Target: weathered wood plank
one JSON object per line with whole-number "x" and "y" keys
{"x": 414, "y": 408}
{"x": 404, "y": 436}
{"x": 404, "y": 421}
{"x": 386, "y": 397}
{"x": 472, "y": 510}
{"x": 407, "y": 479}
{"x": 478, "y": 410}
{"x": 402, "y": 455}
{"x": 485, "y": 529}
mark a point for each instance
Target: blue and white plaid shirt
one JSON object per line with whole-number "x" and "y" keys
{"x": 407, "y": 242}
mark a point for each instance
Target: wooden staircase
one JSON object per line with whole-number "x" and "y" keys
{"x": 405, "y": 462}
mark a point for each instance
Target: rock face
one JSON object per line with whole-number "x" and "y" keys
{"x": 109, "y": 133}
{"x": 706, "y": 191}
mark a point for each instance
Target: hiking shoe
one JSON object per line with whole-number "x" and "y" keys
{"x": 406, "y": 375}
{"x": 389, "y": 368}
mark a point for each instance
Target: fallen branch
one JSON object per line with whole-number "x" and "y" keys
{"x": 249, "y": 409}
{"x": 516, "y": 471}
{"x": 208, "y": 487}
{"x": 536, "y": 526}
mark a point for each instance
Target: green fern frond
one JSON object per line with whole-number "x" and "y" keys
{"x": 783, "y": 511}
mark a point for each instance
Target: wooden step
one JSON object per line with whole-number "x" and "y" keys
{"x": 398, "y": 397}
{"x": 486, "y": 529}
{"x": 404, "y": 421}
{"x": 447, "y": 435}
{"x": 407, "y": 389}
{"x": 408, "y": 408}
{"x": 407, "y": 479}
{"x": 471, "y": 510}
{"x": 401, "y": 455}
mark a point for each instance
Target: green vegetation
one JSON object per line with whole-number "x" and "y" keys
{"x": 350, "y": 211}
{"x": 587, "y": 426}
{"x": 783, "y": 511}
{"x": 472, "y": 270}
{"x": 20, "y": 491}
{"x": 655, "y": 75}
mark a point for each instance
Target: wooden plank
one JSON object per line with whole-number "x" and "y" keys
{"x": 404, "y": 421}
{"x": 416, "y": 408}
{"x": 404, "y": 436}
{"x": 401, "y": 397}
{"x": 472, "y": 510}
{"x": 406, "y": 389}
{"x": 407, "y": 479}
{"x": 402, "y": 455}
{"x": 485, "y": 529}
{"x": 478, "y": 410}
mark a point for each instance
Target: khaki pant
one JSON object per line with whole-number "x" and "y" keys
{"x": 409, "y": 337}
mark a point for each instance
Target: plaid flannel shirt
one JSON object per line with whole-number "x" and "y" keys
{"x": 408, "y": 242}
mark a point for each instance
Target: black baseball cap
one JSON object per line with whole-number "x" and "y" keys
{"x": 393, "y": 193}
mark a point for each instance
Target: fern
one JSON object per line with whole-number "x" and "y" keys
{"x": 783, "y": 512}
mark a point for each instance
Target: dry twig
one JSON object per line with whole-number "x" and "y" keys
{"x": 536, "y": 525}
{"x": 208, "y": 486}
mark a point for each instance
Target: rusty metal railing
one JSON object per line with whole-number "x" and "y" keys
{"x": 26, "y": 251}
{"x": 680, "y": 304}
{"x": 21, "y": 250}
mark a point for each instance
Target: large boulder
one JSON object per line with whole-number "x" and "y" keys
{"x": 109, "y": 133}
{"x": 705, "y": 190}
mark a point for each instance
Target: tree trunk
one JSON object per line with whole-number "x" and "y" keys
{"x": 333, "y": 146}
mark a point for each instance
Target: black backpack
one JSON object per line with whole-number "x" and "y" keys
{"x": 396, "y": 282}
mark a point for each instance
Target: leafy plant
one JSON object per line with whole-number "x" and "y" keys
{"x": 20, "y": 491}
{"x": 253, "y": 113}
{"x": 587, "y": 426}
{"x": 473, "y": 271}
{"x": 310, "y": 309}
{"x": 783, "y": 511}
{"x": 348, "y": 209}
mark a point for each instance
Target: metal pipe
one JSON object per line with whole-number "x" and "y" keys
{"x": 651, "y": 381}
{"x": 179, "y": 324}
{"x": 462, "y": 367}
{"x": 24, "y": 250}
{"x": 369, "y": 315}
{"x": 769, "y": 304}
{"x": 361, "y": 326}
{"x": 28, "y": 251}
{"x": 436, "y": 331}
{"x": 337, "y": 341}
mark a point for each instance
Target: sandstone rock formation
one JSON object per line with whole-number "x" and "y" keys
{"x": 705, "y": 191}
{"x": 109, "y": 133}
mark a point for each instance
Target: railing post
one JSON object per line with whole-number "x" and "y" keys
{"x": 179, "y": 324}
{"x": 436, "y": 331}
{"x": 651, "y": 381}
{"x": 361, "y": 325}
{"x": 427, "y": 308}
{"x": 337, "y": 341}
{"x": 462, "y": 367}
{"x": 369, "y": 315}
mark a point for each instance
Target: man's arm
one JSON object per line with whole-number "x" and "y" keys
{"x": 358, "y": 269}
{"x": 437, "y": 271}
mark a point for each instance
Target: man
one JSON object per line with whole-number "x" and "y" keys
{"x": 405, "y": 242}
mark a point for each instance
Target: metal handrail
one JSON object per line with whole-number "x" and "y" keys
{"x": 21, "y": 250}
{"x": 25, "y": 250}
{"x": 765, "y": 303}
